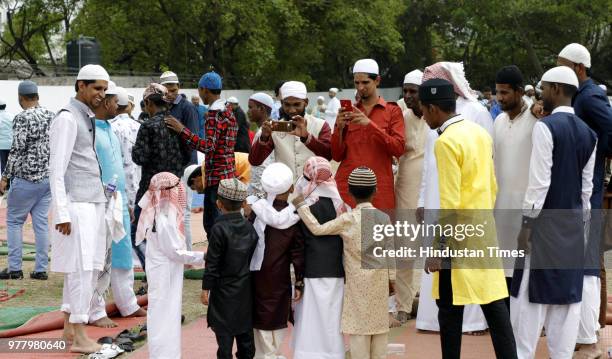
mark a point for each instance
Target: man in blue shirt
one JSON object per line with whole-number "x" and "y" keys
{"x": 118, "y": 272}
{"x": 180, "y": 107}
{"x": 202, "y": 109}
{"x": 592, "y": 106}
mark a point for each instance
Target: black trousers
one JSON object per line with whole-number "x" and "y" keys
{"x": 140, "y": 249}
{"x": 211, "y": 212}
{"x": 245, "y": 345}
{"x": 450, "y": 318}
{"x": 509, "y": 285}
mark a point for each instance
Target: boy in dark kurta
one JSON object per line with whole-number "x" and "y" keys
{"x": 280, "y": 245}
{"x": 227, "y": 275}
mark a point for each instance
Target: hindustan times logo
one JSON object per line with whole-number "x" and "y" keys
{"x": 412, "y": 231}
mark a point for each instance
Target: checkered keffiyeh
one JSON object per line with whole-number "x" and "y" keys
{"x": 454, "y": 73}
{"x": 318, "y": 181}
{"x": 232, "y": 189}
{"x": 165, "y": 188}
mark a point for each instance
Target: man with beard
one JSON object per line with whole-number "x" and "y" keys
{"x": 310, "y": 135}
{"x": 78, "y": 240}
{"x": 408, "y": 181}
{"x": 547, "y": 290}
{"x": 512, "y": 141}
{"x": 593, "y": 107}
{"x": 370, "y": 134}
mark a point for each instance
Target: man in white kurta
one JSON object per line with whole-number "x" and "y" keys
{"x": 512, "y": 140}
{"x": 408, "y": 183}
{"x": 78, "y": 241}
{"x": 429, "y": 196}
{"x": 560, "y": 177}
{"x": 333, "y": 106}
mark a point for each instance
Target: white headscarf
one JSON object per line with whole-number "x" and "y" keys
{"x": 276, "y": 179}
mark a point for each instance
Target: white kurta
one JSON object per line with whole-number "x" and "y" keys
{"x": 166, "y": 257}
{"x": 408, "y": 179}
{"x": 512, "y": 142}
{"x": 475, "y": 112}
{"x": 317, "y": 332}
{"x": 429, "y": 198}
{"x": 88, "y": 228}
{"x": 331, "y": 111}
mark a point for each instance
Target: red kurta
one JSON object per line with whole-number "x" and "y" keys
{"x": 373, "y": 146}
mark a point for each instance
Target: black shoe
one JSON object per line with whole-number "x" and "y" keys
{"x": 39, "y": 275}
{"x": 5, "y": 274}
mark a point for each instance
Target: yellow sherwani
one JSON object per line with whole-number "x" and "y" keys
{"x": 464, "y": 156}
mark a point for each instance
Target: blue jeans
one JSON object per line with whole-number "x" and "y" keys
{"x": 25, "y": 197}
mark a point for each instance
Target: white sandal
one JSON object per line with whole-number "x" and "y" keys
{"x": 107, "y": 351}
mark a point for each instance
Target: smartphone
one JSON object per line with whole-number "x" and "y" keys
{"x": 282, "y": 126}
{"x": 346, "y": 105}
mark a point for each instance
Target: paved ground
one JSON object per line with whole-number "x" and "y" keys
{"x": 199, "y": 341}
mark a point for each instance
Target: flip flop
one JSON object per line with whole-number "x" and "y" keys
{"x": 125, "y": 344}
{"x": 108, "y": 351}
{"x": 128, "y": 335}
{"x": 105, "y": 340}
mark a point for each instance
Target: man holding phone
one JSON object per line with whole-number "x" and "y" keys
{"x": 296, "y": 137}
{"x": 370, "y": 134}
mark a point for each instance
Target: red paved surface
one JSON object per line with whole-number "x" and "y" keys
{"x": 198, "y": 342}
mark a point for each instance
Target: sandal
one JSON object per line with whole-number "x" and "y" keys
{"x": 107, "y": 351}
{"x": 105, "y": 340}
{"x": 127, "y": 334}
{"x": 125, "y": 344}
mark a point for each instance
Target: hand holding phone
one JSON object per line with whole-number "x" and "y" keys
{"x": 282, "y": 126}
{"x": 346, "y": 105}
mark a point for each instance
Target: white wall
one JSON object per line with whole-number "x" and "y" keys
{"x": 54, "y": 97}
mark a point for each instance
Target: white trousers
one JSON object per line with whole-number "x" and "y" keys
{"x": 368, "y": 346}
{"x": 589, "y": 310}
{"x": 317, "y": 332}
{"x": 268, "y": 343}
{"x": 427, "y": 313}
{"x": 561, "y": 322}
{"x": 77, "y": 295}
{"x": 122, "y": 284}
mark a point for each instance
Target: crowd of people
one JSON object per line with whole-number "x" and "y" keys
{"x": 284, "y": 208}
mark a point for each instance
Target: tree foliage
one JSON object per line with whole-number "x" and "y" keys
{"x": 253, "y": 44}
{"x": 30, "y": 28}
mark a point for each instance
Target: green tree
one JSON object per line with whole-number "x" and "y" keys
{"x": 30, "y": 27}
